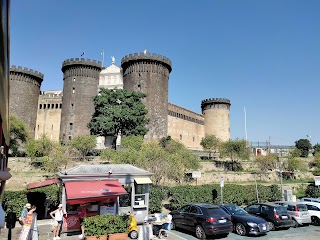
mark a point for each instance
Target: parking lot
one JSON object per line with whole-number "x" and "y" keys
{"x": 301, "y": 233}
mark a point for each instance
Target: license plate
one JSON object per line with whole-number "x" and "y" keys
{"x": 284, "y": 217}
{"x": 222, "y": 221}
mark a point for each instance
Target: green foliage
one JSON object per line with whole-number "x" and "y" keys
{"x": 39, "y": 148}
{"x": 210, "y": 142}
{"x": 267, "y": 162}
{"x": 316, "y": 148}
{"x": 59, "y": 157}
{"x": 119, "y": 110}
{"x": 304, "y": 145}
{"x": 312, "y": 191}
{"x": 316, "y": 164}
{"x": 294, "y": 153}
{"x": 156, "y": 196}
{"x": 295, "y": 164}
{"x": 106, "y": 224}
{"x": 171, "y": 162}
{"x": 237, "y": 194}
{"x": 19, "y": 134}
{"x": 83, "y": 144}
{"x": 132, "y": 142}
{"x": 235, "y": 150}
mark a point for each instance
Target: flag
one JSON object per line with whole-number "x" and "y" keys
{"x": 83, "y": 53}
{"x": 145, "y": 51}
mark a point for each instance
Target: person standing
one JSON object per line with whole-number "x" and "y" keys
{"x": 82, "y": 214}
{"x": 57, "y": 215}
{"x": 24, "y": 213}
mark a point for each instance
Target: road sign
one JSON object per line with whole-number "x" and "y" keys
{"x": 221, "y": 181}
{"x": 317, "y": 180}
{"x": 196, "y": 174}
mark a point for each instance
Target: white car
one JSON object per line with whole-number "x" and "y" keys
{"x": 314, "y": 211}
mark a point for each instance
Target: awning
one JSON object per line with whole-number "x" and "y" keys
{"x": 43, "y": 183}
{"x": 142, "y": 180}
{"x": 84, "y": 191}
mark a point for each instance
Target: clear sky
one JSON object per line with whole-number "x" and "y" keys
{"x": 262, "y": 55}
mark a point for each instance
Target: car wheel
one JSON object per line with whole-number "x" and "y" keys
{"x": 240, "y": 229}
{"x": 200, "y": 232}
{"x": 133, "y": 234}
{"x": 271, "y": 226}
{"x": 315, "y": 221}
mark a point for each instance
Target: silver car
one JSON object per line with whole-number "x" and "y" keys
{"x": 298, "y": 212}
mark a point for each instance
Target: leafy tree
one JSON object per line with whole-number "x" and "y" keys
{"x": 316, "y": 148}
{"x": 316, "y": 164}
{"x": 132, "y": 142}
{"x": 304, "y": 145}
{"x": 118, "y": 111}
{"x": 59, "y": 158}
{"x": 19, "y": 134}
{"x": 210, "y": 143}
{"x": 235, "y": 150}
{"x": 267, "y": 162}
{"x": 83, "y": 144}
{"x": 39, "y": 148}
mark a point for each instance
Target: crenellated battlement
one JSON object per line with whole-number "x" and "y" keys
{"x": 216, "y": 100}
{"x": 148, "y": 56}
{"x": 80, "y": 61}
{"x": 25, "y": 70}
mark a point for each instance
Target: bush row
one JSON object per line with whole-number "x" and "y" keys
{"x": 176, "y": 196}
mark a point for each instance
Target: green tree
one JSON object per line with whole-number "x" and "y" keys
{"x": 83, "y": 144}
{"x": 316, "y": 148}
{"x": 19, "y": 134}
{"x": 316, "y": 164}
{"x": 235, "y": 150}
{"x": 59, "y": 158}
{"x": 118, "y": 111}
{"x": 267, "y": 162}
{"x": 210, "y": 143}
{"x": 39, "y": 148}
{"x": 132, "y": 142}
{"x": 304, "y": 146}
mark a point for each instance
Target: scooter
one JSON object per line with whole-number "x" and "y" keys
{"x": 133, "y": 228}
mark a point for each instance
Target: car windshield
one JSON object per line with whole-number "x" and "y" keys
{"x": 236, "y": 210}
{"x": 281, "y": 209}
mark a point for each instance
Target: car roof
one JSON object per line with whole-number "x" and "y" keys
{"x": 289, "y": 202}
{"x": 267, "y": 204}
{"x": 318, "y": 199}
{"x": 204, "y": 205}
{"x": 311, "y": 203}
{"x": 229, "y": 205}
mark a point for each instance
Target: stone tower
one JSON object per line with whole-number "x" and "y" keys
{"x": 24, "y": 94}
{"x": 149, "y": 73}
{"x": 80, "y": 85}
{"x": 216, "y": 112}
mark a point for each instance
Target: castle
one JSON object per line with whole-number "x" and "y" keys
{"x": 63, "y": 115}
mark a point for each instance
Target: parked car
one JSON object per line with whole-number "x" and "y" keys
{"x": 245, "y": 223}
{"x": 203, "y": 219}
{"x": 310, "y": 200}
{"x": 276, "y": 215}
{"x": 298, "y": 212}
{"x": 314, "y": 211}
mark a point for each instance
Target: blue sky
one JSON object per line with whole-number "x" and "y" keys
{"x": 262, "y": 55}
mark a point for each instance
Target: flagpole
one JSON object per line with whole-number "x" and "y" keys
{"x": 245, "y": 123}
{"x": 102, "y": 57}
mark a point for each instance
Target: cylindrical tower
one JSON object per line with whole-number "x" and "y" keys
{"x": 80, "y": 85}
{"x": 24, "y": 94}
{"x": 149, "y": 73}
{"x": 216, "y": 113}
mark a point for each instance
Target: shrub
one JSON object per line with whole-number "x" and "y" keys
{"x": 156, "y": 196}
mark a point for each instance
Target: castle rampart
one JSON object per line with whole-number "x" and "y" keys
{"x": 81, "y": 79}
{"x": 149, "y": 73}
{"x": 24, "y": 93}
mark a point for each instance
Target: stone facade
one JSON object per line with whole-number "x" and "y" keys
{"x": 216, "y": 113}
{"x": 24, "y": 93}
{"x": 81, "y": 79}
{"x": 185, "y": 126}
{"x": 49, "y": 115}
{"x": 149, "y": 73}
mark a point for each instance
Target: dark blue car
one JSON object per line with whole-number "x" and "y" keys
{"x": 244, "y": 223}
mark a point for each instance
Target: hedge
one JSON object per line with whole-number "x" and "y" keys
{"x": 176, "y": 196}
